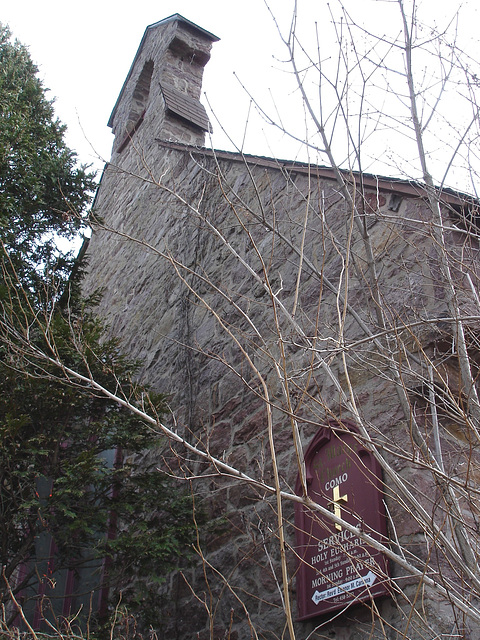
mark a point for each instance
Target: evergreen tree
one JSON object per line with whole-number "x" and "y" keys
{"x": 57, "y": 481}
{"x": 43, "y": 192}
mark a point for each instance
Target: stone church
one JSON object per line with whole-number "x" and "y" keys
{"x": 315, "y": 332}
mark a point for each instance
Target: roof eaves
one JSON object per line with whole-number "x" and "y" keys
{"x": 370, "y": 180}
{"x": 177, "y": 17}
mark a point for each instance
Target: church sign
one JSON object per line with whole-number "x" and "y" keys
{"x": 336, "y": 568}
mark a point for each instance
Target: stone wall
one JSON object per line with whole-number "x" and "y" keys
{"x": 229, "y": 278}
{"x": 193, "y": 241}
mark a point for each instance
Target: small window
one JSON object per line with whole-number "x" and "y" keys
{"x": 139, "y": 103}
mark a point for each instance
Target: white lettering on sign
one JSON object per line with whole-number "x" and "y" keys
{"x": 320, "y": 557}
{"x": 361, "y": 581}
{"x": 335, "y": 482}
{"x": 337, "y": 538}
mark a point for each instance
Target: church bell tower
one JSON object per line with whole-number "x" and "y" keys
{"x": 160, "y": 97}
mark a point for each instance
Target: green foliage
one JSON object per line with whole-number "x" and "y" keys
{"x": 43, "y": 192}
{"x": 54, "y": 477}
{"x": 160, "y": 542}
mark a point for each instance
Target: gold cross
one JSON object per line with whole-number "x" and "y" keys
{"x": 337, "y": 498}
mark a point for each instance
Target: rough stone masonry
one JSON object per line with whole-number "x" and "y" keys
{"x": 236, "y": 282}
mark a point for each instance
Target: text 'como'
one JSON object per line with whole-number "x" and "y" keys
{"x": 336, "y": 481}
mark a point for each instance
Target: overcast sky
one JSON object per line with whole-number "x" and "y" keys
{"x": 84, "y": 51}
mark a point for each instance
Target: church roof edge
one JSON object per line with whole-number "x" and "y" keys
{"x": 382, "y": 183}
{"x": 178, "y": 17}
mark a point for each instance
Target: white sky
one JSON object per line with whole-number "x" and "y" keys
{"x": 84, "y": 51}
